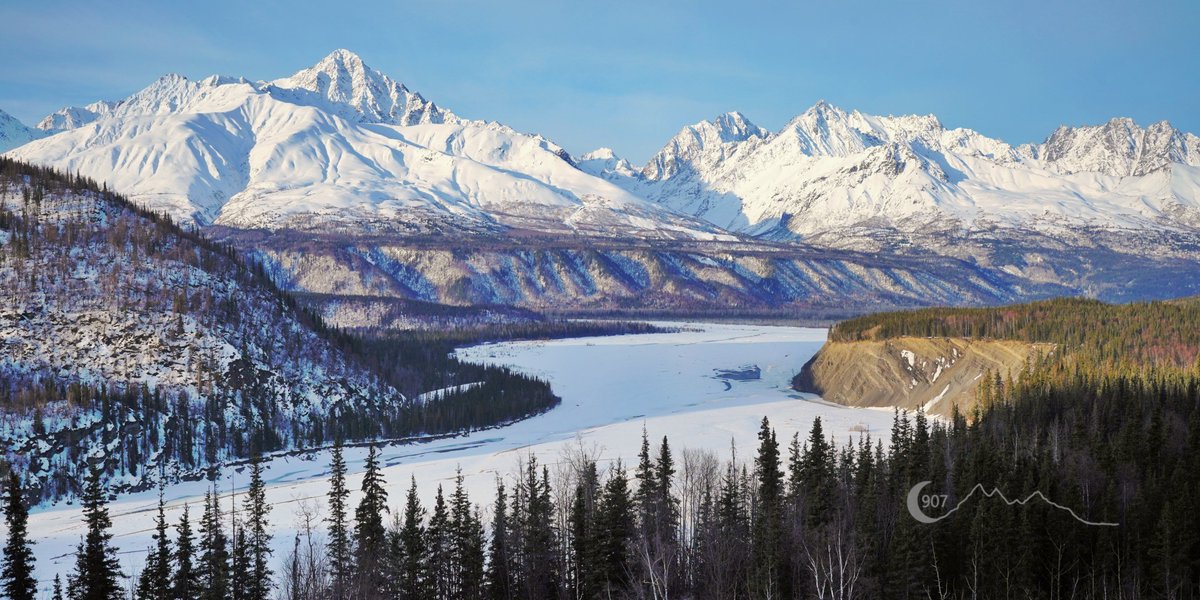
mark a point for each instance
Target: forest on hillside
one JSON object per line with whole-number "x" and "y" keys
{"x": 1163, "y": 333}
{"x": 153, "y": 351}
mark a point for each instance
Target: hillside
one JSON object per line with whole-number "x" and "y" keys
{"x": 946, "y": 358}
{"x": 132, "y": 343}
{"x": 612, "y": 274}
{"x": 936, "y": 375}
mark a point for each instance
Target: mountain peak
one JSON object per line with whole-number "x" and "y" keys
{"x": 735, "y": 127}
{"x": 351, "y": 89}
{"x": 699, "y": 142}
{"x": 1119, "y": 147}
{"x": 826, "y": 109}
{"x": 603, "y": 153}
{"x": 14, "y": 133}
{"x": 341, "y": 64}
{"x": 344, "y": 56}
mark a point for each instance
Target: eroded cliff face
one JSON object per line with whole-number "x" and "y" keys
{"x": 935, "y": 373}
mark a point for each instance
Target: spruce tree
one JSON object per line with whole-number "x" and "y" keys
{"x": 214, "y": 551}
{"x": 499, "y": 578}
{"x": 767, "y": 532}
{"x": 466, "y": 546}
{"x": 56, "y": 593}
{"x": 97, "y": 569}
{"x": 155, "y": 580}
{"x": 664, "y": 472}
{"x": 16, "y": 572}
{"x": 440, "y": 550}
{"x": 647, "y": 485}
{"x": 339, "y": 537}
{"x": 257, "y": 535}
{"x": 369, "y": 532}
{"x": 816, "y": 474}
{"x": 414, "y": 576}
{"x": 614, "y": 535}
{"x": 474, "y": 558}
{"x": 186, "y": 580}
{"x": 241, "y": 567}
{"x": 582, "y": 523}
{"x": 540, "y": 568}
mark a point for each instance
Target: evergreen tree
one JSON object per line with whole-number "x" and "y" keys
{"x": 539, "y": 568}
{"x": 466, "y": 536}
{"x": 767, "y": 533}
{"x": 647, "y": 484}
{"x": 241, "y": 567}
{"x": 440, "y": 549}
{"x": 96, "y": 567}
{"x": 257, "y": 535}
{"x": 498, "y": 576}
{"x": 816, "y": 473}
{"x": 16, "y": 571}
{"x": 339, "y": 538}
{"x": 582, "y": 521}
{"x": 664, "y": 471}
{"x": 186, "y": 582}
{"x": 414, "y": 577}
{"x": 369, "y": 533}
{"x": 214, "y": 551}
{"x": 392, "y": 560}
{"x": 56, "y": 592}
{"x": 155, "y": 580}
{"x": 615, "y": 525}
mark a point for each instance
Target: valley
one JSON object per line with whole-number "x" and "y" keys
{"x": 319, "y": 337}
{"x": 611, "y": 387}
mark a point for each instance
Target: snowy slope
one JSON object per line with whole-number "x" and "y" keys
{"x": 13, "y": 133}
{"x": 123, "y": 339}
{"x": 829, "y": 169}
{"x": 338, "y": 145}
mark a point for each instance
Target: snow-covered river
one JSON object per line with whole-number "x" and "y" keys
{"x": 694, "y": 386}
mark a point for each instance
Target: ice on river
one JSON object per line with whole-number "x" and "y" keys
{"x": 610, "y": 388}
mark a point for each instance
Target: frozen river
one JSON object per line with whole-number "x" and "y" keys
{"x": 697, "y": 386}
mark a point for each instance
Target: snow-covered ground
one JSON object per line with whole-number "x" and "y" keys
{"x": 611, "y": 387}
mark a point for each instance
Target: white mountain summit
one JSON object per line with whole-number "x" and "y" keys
{"x": 342, "y": 146}
{"x": 343, "y": 85}
{"x": 829, "y": 170}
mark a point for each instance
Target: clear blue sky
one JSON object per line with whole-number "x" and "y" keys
{"x": 630, "y": 74}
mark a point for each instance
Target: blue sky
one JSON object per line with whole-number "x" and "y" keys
{"x": 630, "y": 74}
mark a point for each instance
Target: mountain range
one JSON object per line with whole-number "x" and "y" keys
{"x": 391, "y": 194}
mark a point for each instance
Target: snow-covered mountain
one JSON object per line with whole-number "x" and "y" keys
{"x": 344, "y": 154}
{"x": 14, "y": 133}
{"x": 1118, "y": 148}
{"x": 341, "y": 84}
{"x": 829, "y": 170}
{"x": 337, "y": 146}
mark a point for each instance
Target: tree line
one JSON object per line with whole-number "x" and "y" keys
{"x": 799, "y": 518}
{"x": 1161, "y": 333}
